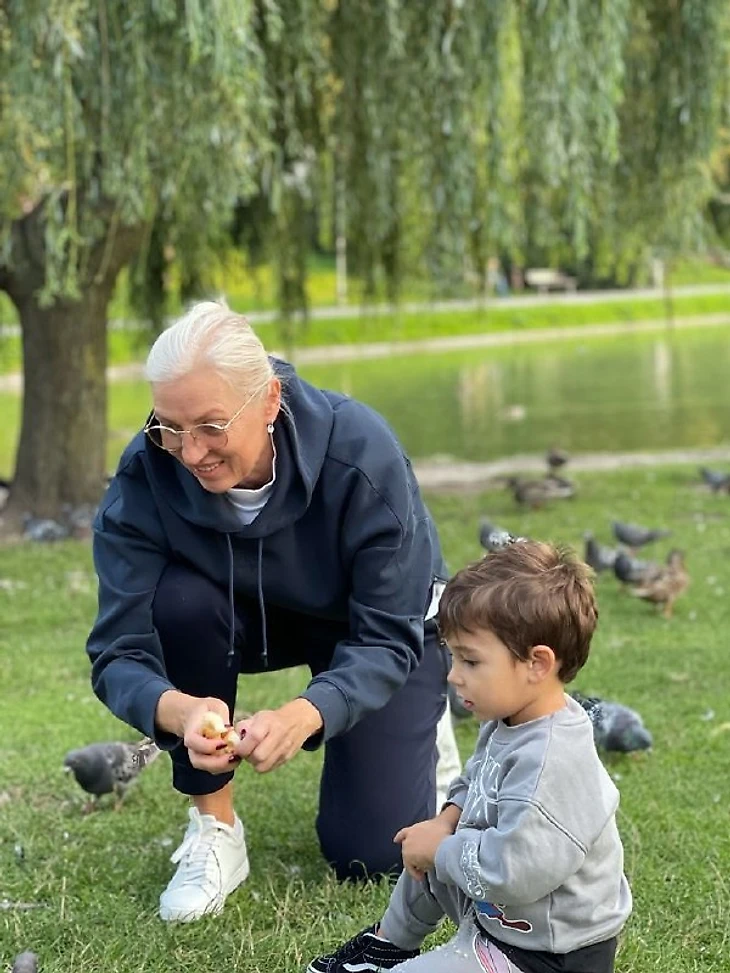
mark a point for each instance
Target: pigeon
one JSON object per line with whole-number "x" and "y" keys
{"x": 616, "y": 728}
{"x": 716, "y": 480}
{"x": 555, "y": 458}
{"x": 599, "y": 557}
{"x": 630, "y": 570}
{"x": 458, "y": 710}
{"x": 106, "y": 768}
{"x": 25, "y": 963}
{"x": 634, "y": 536}
{"x": 44, "y": 529}
{"x": 493, "y": 538}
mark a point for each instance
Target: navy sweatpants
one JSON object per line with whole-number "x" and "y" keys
{"x": 377, "y": 778}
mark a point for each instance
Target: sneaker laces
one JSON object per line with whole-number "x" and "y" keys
{"x": 194, "y": 854}
{"x": 354, "y": 945}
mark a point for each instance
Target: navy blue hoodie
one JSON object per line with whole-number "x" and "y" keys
{"x": 343, "y": 536}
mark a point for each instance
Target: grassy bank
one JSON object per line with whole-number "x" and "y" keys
{"x": 131, "y": 345}
{"x": 95, "y": 880}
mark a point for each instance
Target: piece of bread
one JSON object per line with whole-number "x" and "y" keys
{"x": 214, "y": 727}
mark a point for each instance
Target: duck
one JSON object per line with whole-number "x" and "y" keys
{"x": 555, "y": 458}
{"x": 665, "y": 586}
{"x": 536, "y": 493}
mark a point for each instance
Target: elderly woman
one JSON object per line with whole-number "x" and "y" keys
{"x": 259, "y": 523}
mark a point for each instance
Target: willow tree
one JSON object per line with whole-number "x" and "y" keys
{"x": 113, "y": 113}
{"x": 539, "y": 129}
{"x": 452, "y": 130}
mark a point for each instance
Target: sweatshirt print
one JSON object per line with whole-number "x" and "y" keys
{"x": 537, "y": 848}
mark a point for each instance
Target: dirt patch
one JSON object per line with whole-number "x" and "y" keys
{"x": 455, "y": 476}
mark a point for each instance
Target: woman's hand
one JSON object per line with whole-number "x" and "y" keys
{"x": 206, "y": 753}
{"x": 420, "y": 842}
{"x": 270, "y": 738}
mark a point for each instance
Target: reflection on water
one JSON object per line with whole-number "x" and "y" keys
{"x": 634, "y": 392}
{"x": 630, "y": 392}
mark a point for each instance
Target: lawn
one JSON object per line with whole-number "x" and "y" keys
{"x": 128, "y": 345}
{"x": 94, "y": 880}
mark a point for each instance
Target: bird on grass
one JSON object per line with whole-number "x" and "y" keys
{"x": 536, "y": 493}
{"x": 665, "y": 586}
{"x": 598, "y": 556}
{"x": 109, "y": 768}
{"x": 616, "y": 728}
{"x": 634, "y": 536}
{"x": 630, "y": 570}
{"x": 458, "y": 710}
{"x": 556, "y": 458}
{"x": 716, "y": 480}
{"x": 493, "y": 538}
{"x": 25, "y": 963}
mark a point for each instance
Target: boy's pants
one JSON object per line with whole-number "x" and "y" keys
{"x": 416, "y": 909}
{"x": 377, "y": 778}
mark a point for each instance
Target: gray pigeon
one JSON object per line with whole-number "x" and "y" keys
{"x": 599, "y": 557}
{"x": 458, "y": 710}
{"x": 493, "y": 538}
{"x": 25, "y": 963}
{"x": 43, "y": 529}
{"x": 106, "y": 768}
{"x": 616, "y": 728}
{"x": 630, "y": 570}
{"x": 635, "y": 536}
{"x": 716, "y": 480}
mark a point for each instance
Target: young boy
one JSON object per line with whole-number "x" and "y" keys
{"x": 525, "y": 856}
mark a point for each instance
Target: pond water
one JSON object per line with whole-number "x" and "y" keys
{"x": 629, "y": 392}
{"x": 632, "y": 392}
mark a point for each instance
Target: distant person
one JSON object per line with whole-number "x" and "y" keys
{"x": 259, "y": 523}
{"x": 525, "y": 858}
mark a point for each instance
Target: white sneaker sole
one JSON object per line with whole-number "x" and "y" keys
{"x": 168, "y": 914}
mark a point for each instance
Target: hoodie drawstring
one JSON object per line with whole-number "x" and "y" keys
{"x": 262, "y": 607}
{"x": 232, "y": 604}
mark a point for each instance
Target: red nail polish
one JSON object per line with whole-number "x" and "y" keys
{"x": 221, "y": 746}
{"x": 233, "y": 759}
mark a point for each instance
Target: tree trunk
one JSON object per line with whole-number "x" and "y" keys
{"x": 61, "y": 458}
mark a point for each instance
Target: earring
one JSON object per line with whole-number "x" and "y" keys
{"x": 270, "y": 428}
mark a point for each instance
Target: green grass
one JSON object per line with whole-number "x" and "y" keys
{"x": 129, "y": 346}
{"x": 96, "y": 878}
{"x": 254, "y": 289}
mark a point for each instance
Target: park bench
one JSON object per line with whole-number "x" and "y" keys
{"x": 546, "y": 279}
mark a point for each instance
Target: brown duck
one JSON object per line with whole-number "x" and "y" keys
{"x": 664, "y": 586}
{"x": 536, "y": 493}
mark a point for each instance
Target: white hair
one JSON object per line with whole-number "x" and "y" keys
{"x": 210, "y": 334}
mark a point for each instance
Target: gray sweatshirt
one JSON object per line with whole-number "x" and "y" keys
{"x": 537, "y": 848}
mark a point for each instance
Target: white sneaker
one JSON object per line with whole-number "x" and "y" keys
{"x": 213, "y": 861}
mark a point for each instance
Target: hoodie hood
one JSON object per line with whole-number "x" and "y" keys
{"x": 301, "y": 452}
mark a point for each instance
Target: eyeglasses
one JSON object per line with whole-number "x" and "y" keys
{"x": 210, "y": 434}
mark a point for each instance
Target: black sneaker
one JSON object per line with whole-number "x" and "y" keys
{"x": 364, "y": 953}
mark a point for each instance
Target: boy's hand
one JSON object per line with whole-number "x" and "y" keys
{"x": 419, "y": 844}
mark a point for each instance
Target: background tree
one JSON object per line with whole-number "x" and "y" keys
{"x": 117, "y": 115}
{"x": 543, "y": 131}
